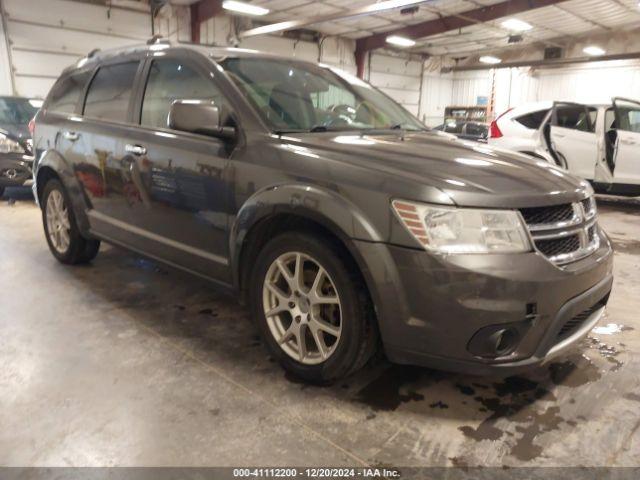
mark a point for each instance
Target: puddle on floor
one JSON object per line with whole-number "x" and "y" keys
{"x": 611, "y": 329}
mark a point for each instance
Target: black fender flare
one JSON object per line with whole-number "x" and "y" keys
{"x": 323, "y": 206}
{"x": 51, "y": 159}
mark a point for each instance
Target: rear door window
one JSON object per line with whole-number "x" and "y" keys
{"x": 575, "y": 117}
{"x": 532, "y": 120}
{"x": 110, "y": 91}
{"x": 628, "y": 115}
{"x": 66, "y": 93}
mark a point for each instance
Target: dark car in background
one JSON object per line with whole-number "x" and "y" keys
{"x": 343, "y": 222}
{"x": 466, "y": 130}
{"x": 16, "y": 156}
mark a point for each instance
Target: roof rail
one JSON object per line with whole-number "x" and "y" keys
{"x": 157, "y": 39}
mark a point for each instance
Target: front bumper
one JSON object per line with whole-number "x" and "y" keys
{"x": 430, "y": 307}
{"x": 15, "y": 170}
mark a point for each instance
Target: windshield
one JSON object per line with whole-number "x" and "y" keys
{"x": 294, "y": 97}
{"x": 18, "y": 111}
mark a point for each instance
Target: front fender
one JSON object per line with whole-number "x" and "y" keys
{"x": 323, "y": 206}
{"x": 51, "y": 160}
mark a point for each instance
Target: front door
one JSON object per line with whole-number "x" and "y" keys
{"x": 179, "y": 203}
{"x": 571, "y": 138}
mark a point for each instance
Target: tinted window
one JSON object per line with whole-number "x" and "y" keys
{"x": 171, "y": 80}
{"x": 66, "y": 92}
{"x": 109, "y": 93}
{"x": 629, "y": 115}
{"x": 16, "y": 111}
{"x": 476, "y": 129}
{"x": 453, "y": 127}
{"x": 532, "y": 120}
{"x": 575, "y": 117}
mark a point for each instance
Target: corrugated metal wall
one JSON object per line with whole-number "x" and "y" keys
{"x": 592, "y": 83}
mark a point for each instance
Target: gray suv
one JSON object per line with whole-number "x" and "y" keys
{"x": 345, "y": 225}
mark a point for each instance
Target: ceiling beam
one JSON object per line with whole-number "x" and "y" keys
{"x": 201, "y": 11}
{"x": 454, "y": 22}
{"x": 373, "y": 9}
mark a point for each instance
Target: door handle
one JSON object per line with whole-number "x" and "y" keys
{"x": 135, "y": 149}
{"x": 629, "y": 142}
{"x": 559, "y": 135}
{"x": 72, "y": 136}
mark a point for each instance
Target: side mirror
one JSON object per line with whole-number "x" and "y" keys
{"x": 198, "y": 116}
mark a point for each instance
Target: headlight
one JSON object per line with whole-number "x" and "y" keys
{"x": 9, "y": 146}
{"x": 463, "y": 230}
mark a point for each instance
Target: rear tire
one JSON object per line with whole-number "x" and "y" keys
{"x": 319, "y": 301}
{"x": 66, "y": 243}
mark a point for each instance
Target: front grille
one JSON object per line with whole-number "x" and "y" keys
{"x": 543, "y": 215}
{"x": 563, "y": 233}
{"x": 576, "y": 322}
{"x": 559, "y": 246}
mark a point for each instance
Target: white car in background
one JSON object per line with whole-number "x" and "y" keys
{"x": 600, "y": 143}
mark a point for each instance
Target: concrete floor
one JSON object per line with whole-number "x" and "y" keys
{"x": 128, "y": 363}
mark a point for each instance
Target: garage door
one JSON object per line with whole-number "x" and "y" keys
{"x": 45, "y": 36}
{"x": 399, "y": 78}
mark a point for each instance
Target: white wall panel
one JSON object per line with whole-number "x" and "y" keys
{"x": 437, "y": 92}
{"x": 594, "y": 83}
{"x": 397, "y": 77}
{"x": 47, "y": 35}
{"x": 5, "y": 72}
{"x": 591, "y": 83}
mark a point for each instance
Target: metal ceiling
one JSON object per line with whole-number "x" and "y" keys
{"x": 552, "y": 24}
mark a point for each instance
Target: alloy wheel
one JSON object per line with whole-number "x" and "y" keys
{"x": 58, "y": 225}
{"x": 302, "y": 308}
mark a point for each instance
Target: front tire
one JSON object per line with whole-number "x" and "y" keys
{"x": 312, "y": 309}
{"x": 66, "y": 243}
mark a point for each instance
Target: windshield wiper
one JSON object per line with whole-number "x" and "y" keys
{"x": 319, "y": 128}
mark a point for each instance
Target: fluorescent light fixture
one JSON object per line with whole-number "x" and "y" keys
{"x": 490, "y": 59}
{"x": 516, "y": 25}
{"x": 246, "y": 8}
{"x": 391, "y": 4}
{"x": 36, "y": 102}
{"x": 594, "y": 50}
{"x": 400, "y": 41}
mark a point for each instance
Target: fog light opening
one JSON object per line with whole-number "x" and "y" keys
{"x": 504, "y": 341}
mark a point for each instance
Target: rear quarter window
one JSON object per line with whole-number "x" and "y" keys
{"x": 532, "y": 120}
{"x": 66, "y": 92}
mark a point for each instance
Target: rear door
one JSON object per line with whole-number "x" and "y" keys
{"x": 571, "y": 137}
{"x": 626, "y": 173}
{"x": 104, "y": 172}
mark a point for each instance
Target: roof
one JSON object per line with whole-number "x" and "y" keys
{"x": 214, "y": 52}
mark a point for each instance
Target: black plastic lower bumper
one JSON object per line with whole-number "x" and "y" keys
{"x": 15, "y": 169}
{"x": 430, "y": 307}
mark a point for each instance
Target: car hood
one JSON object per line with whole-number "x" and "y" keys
{"x": 469, "y": 173}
